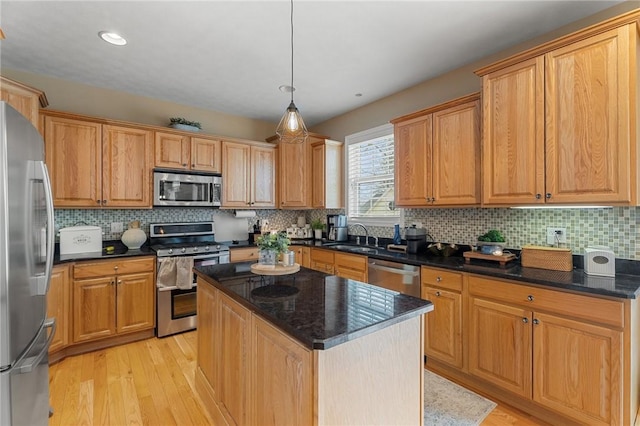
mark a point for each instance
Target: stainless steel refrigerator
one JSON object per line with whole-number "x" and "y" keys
{"x": 26, "y": 258}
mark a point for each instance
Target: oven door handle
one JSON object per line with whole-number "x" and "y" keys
{"x": 196, "y": 257}
{"x": 173, "y": 287}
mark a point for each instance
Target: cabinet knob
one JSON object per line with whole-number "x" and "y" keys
{"x": 433, "y": 199}
{"x": 119, "y": 281}
{"x": 538, "y": 196}
{"x": 193, "y": 165}
{"x": 548, "y": 195}
{"x": 438, "y": 293}
{"x": 525, "y": 320}
{"x": 536, "y": 321}
{"x": 112, "y": 282}
{"x": 438, "y": 279}
{"x": 104, "y": 201}
{"x": 184, "y": 164}
{"x": 115, "y": 267}
{"x": 530, "y": 298}
{"x": 98, "y": 201}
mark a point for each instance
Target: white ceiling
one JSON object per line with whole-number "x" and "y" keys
{"x": 232, "y": 56}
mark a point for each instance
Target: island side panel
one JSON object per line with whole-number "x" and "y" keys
{"x": 376, "y": 379}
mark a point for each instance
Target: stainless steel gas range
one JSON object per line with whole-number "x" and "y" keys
{"x": 189, "y": 243}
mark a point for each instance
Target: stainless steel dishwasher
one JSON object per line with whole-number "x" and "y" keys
{"x": 395, "y": 276}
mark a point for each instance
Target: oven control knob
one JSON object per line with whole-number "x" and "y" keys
{"x": 195, "y": 249}
{"x": 217, "y": 247}
{"x": 183, "y": 250}
{"x": 170, "y": 251}
{"x": 206, "y": 248}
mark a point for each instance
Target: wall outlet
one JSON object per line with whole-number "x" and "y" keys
{"x": 116, "y": 227}
{"x": 556, "y": 235}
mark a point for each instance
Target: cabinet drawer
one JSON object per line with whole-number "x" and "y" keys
{"x": 327, "y": 268}
{"x": 440, "y": 278}
{"x": 322, "y": 256}
{"x": 243, "y": 254}
{"x": 112, "y": 267}
{"x": 351, "y": 261}
{"x": 604, "y": 311}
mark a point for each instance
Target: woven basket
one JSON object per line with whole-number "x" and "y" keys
{"x": 555, "y": 259}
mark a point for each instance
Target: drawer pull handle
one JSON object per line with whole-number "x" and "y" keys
{"x": 438, "y": 279}
{"x": 438, "y": 293}
{"x": 536, "y": 321}
{"x": 112, "y": 282}
{"x": 530, "y": 298}
{"x": 525, "y": 320}
{"x": 115, "y": 267}
{"x": 119, "y": 281}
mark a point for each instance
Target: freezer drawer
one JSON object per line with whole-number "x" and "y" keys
{"x": 24, "y": 388}
{"x": 395, "y": 276}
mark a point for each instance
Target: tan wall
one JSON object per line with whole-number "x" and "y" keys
{"x": 448, "y": 86}
{"x": 88, "y": 100}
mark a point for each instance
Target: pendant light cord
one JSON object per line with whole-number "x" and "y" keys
{"x": 292, "y": 88}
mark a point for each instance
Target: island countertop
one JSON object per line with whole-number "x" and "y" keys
{"x": 319, "y": 310}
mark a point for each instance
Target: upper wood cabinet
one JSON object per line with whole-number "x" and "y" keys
{"x": 560, "y": 121}
{"x": 176, "y": 151}
{"x": 327, "y": 170}
{"x": 97, "y": 165}
{"x": 437, "y": 155}
{"x": 26, "y": 100}
{"x": 297, "y": 174}
{"x": 250, "y": 175}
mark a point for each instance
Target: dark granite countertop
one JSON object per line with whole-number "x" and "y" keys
{"x": 120, "y": 250}
{"x": 624, "y": 285}
{"x": 319, "y": 310}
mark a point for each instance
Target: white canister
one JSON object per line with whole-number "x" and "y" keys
{"x": 600, "y": 261}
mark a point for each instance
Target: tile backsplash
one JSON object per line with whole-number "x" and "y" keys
{"x": 614, "y": 227}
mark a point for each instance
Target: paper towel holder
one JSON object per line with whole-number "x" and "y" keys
{"x": 245, "y": 213}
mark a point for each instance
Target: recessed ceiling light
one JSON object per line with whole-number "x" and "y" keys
{"x": 358, "y": 95}
{"x": 287, "y": 89}
{"x": 112, "y": 38}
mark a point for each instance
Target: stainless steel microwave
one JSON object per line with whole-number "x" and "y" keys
{"x": 186, "y": 189}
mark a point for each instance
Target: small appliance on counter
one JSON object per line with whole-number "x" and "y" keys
{"x": 300, "y": 232}
{"x": 337, "y": 227}
{"x": 85, "y": 240}
{"x": 599, "y": 261}
{"x": 416, "y": 239}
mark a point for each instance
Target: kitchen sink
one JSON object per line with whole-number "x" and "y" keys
{"x": 353, "y": 248}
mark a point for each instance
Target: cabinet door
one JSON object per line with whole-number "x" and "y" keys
{"x": 588, "y": 94}
{"x": 500, "y": 345}
{"x": 513, "y": 134}
{"x": 443, "y": 326}
{"x": 206, "y": 155}
{"x": 58, "y": 306}
{"x": 237, "y": 174}
{"x": 94, "y": 308}
{"x": 126, "y": 167}
{"x": 263, "y": 177}
{"x": 234, "y": 344}
{"x": 413, "y": 162}
{"x": 294, "y": 175}
{"x": 74, "y": 158}
{"x": 282, "y": 370}
{"x": 172, "y": 151}
{"x": 208, "y": 347}
{"x": 456, "y": 155}
{"x": 135, "y": 302}
{"x": 577, "y": 369}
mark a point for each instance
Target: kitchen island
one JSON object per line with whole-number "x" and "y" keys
{"x": 307, "y": 348}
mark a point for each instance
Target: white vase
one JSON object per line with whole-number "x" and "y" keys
{"x": 318, "y": 233}
{"x": 134, "y": 238}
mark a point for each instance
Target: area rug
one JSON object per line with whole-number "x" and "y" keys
{"x": 447, "y": 404}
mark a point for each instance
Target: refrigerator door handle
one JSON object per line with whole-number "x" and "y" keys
{"x": 43, "y": 280}
{"x": 32, "y": 362}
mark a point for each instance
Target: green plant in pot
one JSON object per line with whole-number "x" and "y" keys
{"x": 492, "y": 242}
{"x": 184, "y": 124}
{"x": 272, "y": 246}
{"x": 318, "y": 226}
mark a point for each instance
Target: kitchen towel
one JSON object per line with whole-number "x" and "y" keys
{"x": 245, "y": 213}
{"x": 167, "y": 273}
{"x": 184, "y": 273}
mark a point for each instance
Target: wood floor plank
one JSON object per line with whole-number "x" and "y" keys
{"x": 151, "y": 383}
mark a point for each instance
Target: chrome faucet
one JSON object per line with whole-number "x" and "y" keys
{"x": 366, "y": 234}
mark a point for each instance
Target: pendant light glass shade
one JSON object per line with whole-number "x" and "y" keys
{"x": 291, "y": 128}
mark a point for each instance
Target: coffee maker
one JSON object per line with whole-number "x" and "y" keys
{"x": 337, "y": 227}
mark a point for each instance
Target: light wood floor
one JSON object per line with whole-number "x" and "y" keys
{"x": 151, "y": 383}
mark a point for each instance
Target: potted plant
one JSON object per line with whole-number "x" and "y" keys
{"x": 271, "y": 246}
{"x": 492, "y": 242}
{"x": 184, "y": 124}
{"x": 318, "y": 226}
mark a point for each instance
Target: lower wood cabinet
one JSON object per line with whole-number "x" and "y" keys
{"x": 443, "y": 326}
{"x": 59, "y": 306}
{"x": 322, "y": 260}
{"x": 351, "y": 266}
{"x": 113, "y": 297}
{"x": 303, "y": 255}
{"x": 562, "y": 351}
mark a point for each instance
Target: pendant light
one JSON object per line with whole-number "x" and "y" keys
{"x": 291, "y": 128}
